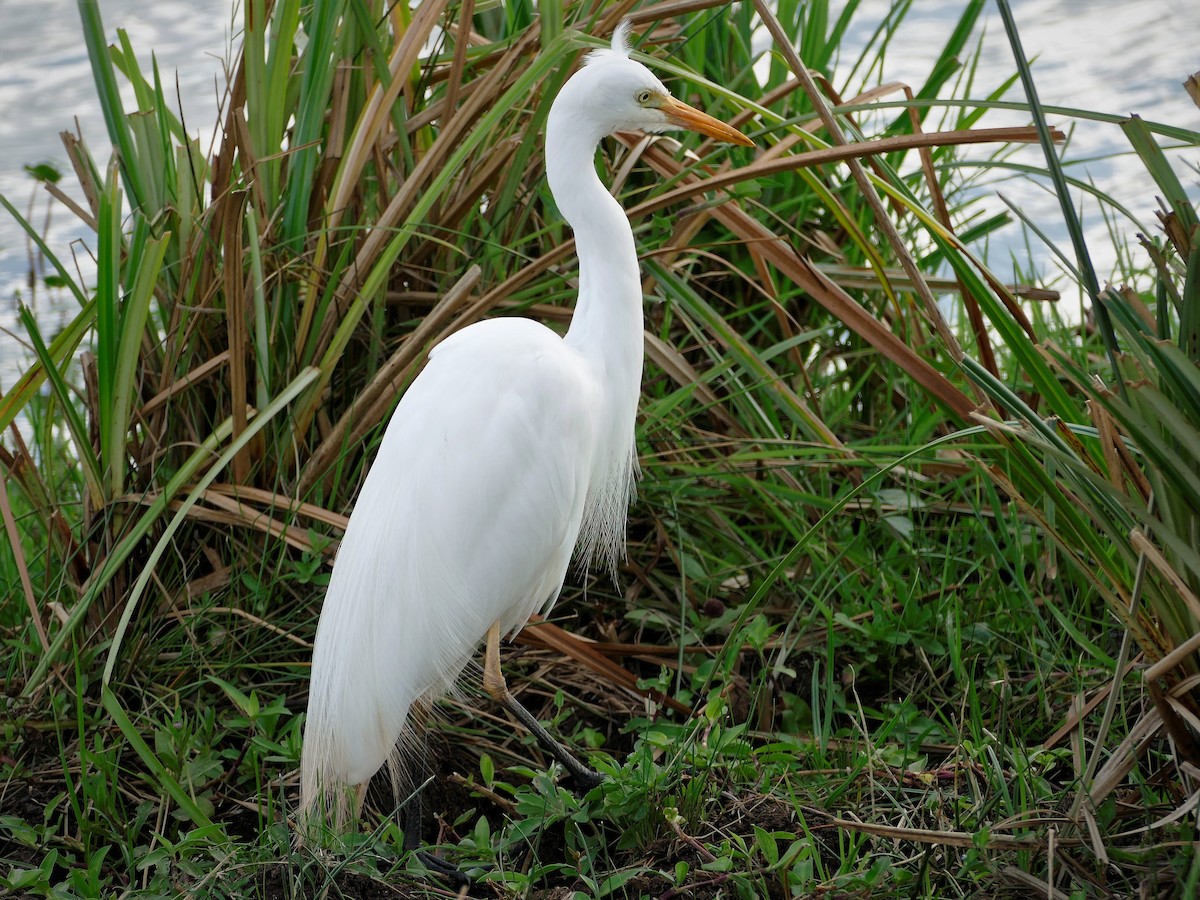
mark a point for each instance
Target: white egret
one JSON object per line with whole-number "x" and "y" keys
{"x": 513, "y": 446}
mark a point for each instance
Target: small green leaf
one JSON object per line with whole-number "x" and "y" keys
{"x": 681, "y": 872}
{"x": 720, "y": 864}
{"x": 44, "y": 172}
{"x": 767, "y": 845}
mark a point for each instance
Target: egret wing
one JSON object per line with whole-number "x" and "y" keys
{"x": 468, "y": 516}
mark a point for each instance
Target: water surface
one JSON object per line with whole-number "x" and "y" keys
{"x": 46, "y": 87}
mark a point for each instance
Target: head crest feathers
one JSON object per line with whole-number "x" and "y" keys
{"x": 620, "y": 44}
{"x": 620, "y": 38}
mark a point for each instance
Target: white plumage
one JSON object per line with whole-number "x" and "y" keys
{"x": 512, "y": 446}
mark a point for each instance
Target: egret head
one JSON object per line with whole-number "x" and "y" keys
{"x": 615, "y": 93}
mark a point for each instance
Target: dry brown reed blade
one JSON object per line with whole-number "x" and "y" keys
{"x": 675, "y": 366}
{"x": 963, "y": 839}
{"x": 983, "y": 343}
{"x": 233, "y": 207}
{"x": 1122, "y": 470}
{"x": 250, "y": 507}
{"x": 372, "y": 128}
{"x": 1081, "y": 708}
{"x": 1017, "y": 134}
{"x": 864, "y": 278}
{"x": 203, "y": 370}
{"x": 1178, "y": 718}
{"x": 431, "y": 162}
{"x": 654, "y": 12}
{"x": 371, "y": 405}
{"x": 18, "y": 550}
{"x": 867, "y": 190}
{"x": 784, "y": 257}
{"x": 540, "y": 633}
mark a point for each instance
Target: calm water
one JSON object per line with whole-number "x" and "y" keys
{"x": 46, "y": 85}
{"x": 1109, "y": 55}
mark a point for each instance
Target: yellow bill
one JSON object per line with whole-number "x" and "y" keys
{"x": 679, "y": 113}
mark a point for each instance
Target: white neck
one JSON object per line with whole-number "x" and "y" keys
{"x": 607, "y": 324}
{"x": 606, "y": 329}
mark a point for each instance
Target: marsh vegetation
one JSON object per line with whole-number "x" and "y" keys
{"x": 910, "y": 599}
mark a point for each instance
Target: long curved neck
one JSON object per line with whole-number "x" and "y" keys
{"x": 607, "y": 324}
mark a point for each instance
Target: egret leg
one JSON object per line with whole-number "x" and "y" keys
{"x": 413, "y": 822}
{"x": 412, "y": 842}
{"x": 497, "y": 688}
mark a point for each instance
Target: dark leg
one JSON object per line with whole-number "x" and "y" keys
{"x": 413, "y": 814}
{"x": 497, "y": 687}
{"x": 412, "y": 843}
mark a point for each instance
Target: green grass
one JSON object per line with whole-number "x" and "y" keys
{"x": 921, "y": 576}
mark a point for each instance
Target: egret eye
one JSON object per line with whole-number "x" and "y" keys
{"x": 643, "y": 97}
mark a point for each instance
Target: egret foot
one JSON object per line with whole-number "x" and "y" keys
{"x": 493, "y": 682}
{"x": 446, "y": 870}
{"x": 412, "y": 842}
{"x": 586, "y": 779}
